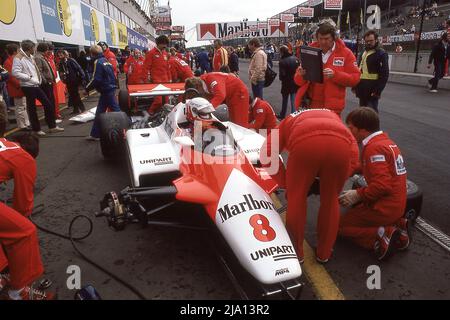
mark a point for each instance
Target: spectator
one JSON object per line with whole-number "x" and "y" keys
{"x": 50, "y": 57}
{"x": 439, "y": 55}
{"x": 24, "y": 69}
{"x": 82, "y": 61}
{"x": 413, "y": 29}
{"x": 104, "y": 81}
{"x": 126, "y": 53}
{"x": 14, "y": 90}
{"x": 89, "y": 66}
{"x": 4, "y": 75}
{"x": 257, "y": 67}
{"x": 374, "y": 66}
{"x": 48, "y": 78}
{"x": 203, "y": 61}
{"x": 288, "y": 65}
{"x": 73, "y": 76}
{"x": 233, "y": 61}
{"x": 220, "y": 56}
{"x": 398, "y": 48}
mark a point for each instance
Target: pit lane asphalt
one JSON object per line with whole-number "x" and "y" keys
{"x": 167, "y": 263}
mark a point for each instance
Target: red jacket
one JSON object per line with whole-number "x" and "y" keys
{"x": 17, "y": 164}
{"x": 331, "y": 93}
{"x": 263, "y": 116}
{"x": 12, "y": 84}
{"x": 220, "y": 59}
{"x": 179, "y": 69}
{"x": 311, "y": 123}
{"x": 136, "y": 71}
{"x": 157, "y": 64}
{"x": 50, "y": 58}
{"x": 385, "y": 173}
{"x": 222, "y": 87}
{"x": 111, "y": 57}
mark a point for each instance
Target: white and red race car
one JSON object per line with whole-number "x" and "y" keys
{"x": 219, "y": 173}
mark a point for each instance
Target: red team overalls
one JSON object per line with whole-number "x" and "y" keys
{"x": 179, "y": 69}
{"x": 157, "y": 64}
{"x": 263, "y": 116}
{"x": 319, "y": 145}
{"x": 19, "y": 247}
{"x": 136, "y": 71}
{"x": 384, "y": 199}
{"x": 227, "y": 88}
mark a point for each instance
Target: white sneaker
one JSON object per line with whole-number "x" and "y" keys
{"x": 91, "y": 138}
{"x": 58, "y": 121}
{"x": 429, "y": 85}
{"x": 56, "y": 129}
{"x": 40, "y": 133}
{"x": 433, "y": 91}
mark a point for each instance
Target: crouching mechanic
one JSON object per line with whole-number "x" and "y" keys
{"x": 19, "y": 246}
{"x": 375, "y": 218}
{"x": 221, "y": 88}
{"x": 320, "y": 145}
{"x": 261, "y": 115}
{"x": 104, "y": 81}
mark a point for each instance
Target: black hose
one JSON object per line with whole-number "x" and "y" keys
{"x": 73, "y": 239}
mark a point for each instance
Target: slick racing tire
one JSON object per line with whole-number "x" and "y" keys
{"x": 414, "y": 197}
{"x": 124, "y": 101}
{"x": 113, "y": 126}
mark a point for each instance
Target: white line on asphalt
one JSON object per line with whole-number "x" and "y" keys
{"x": 433, "y": 233}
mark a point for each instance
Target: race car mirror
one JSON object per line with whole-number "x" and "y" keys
{"x": 184, "y": 141}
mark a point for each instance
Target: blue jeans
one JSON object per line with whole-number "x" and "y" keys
{"x": 285, "y": 102}
{"x": 107, "y": 100}
{"x": 258, "y": 89}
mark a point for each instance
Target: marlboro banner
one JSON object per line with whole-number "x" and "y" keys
{"x": 262, "y": 25}
{"x": 273, "y": 22}
{"x": 306, "y": 12}
{"x": 333, "y": 4}
{"x": 247, "y": 29}
{"x": 287, "y": 17}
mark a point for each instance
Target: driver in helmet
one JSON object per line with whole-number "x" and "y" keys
{"x": 199, "y": 109}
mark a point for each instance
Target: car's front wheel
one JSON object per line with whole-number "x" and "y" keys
{"x": 113, "y": 126}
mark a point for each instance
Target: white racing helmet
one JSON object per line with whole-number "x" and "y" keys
{"x": 199, "y": 109}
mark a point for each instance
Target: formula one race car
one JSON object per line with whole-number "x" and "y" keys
{"x": 186, "y": 155}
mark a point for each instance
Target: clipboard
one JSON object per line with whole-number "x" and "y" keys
{"x": 311, "y": 59}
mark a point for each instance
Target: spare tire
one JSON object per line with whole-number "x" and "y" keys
{"x": 414, "y": 197}
{"x": 124, "y": 101}
{"x": 113, "y": 126}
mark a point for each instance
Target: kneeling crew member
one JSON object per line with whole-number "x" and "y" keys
{"x": 376, "y": 222}
{"x": 261, "y": 115}
{"x": 19, "y": 245}
{"x": 320, "y": 145}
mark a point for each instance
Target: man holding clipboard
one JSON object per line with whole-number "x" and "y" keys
{"x": 327, "y": 68}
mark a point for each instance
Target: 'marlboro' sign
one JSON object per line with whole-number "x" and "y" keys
{"x": 228, "y": 30}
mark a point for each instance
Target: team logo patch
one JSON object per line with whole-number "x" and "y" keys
{"x": 259, "y": 111}
{"x": 377, "y": 158}
{"x": 400, "y": 165}
{"x": 213, "y": 84}
{"x": 338, "y": 62}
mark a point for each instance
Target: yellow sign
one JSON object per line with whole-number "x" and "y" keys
{"x": 123, "y": 35}
{"x": 65, "y": 16}
{"x": 113, "y": 33}
{"x": 94, "y": 25}
{"x": 8, "y": 11}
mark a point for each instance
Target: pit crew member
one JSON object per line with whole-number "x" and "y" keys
{"x": 375, "y": 218}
